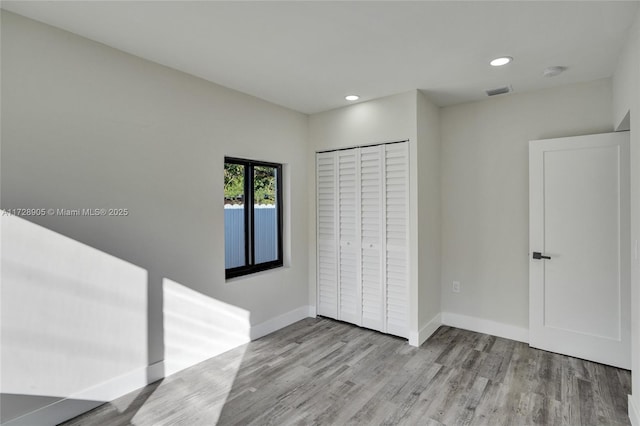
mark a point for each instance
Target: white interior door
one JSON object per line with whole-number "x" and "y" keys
{"x": 579, "y": 288}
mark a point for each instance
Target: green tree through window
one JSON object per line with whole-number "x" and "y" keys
{"x": 264, "y": 184}
{"x": 233, "y": 183}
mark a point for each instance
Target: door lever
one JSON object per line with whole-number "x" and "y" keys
{"x": 538, "y": 255}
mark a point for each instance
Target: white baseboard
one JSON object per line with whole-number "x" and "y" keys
{"x": 55, "y": 413}
{"x": 634, "y": 412}
{"x": 281, "y": 321}
{"x": 486, "y": 326}
{"x": 312, "y": 312}
{"x": 83, "y": 401}
{"x": 417, "y": 339}
{"x": 155, "y": 372}
{"x": 122, "y": 385}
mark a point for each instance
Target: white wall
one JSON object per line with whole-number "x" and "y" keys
{"x": 387, "y": 119}
{"x": 625, "y": 78}
{"x": 87, "y": 126}
{"x": 626, "y": 100}
{"x": 485, "y": 216}
{"x": 429, "y": 216}
{"x": 104, "y": 317}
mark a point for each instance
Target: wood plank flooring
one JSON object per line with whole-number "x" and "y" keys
{"x": 324, "y": 372}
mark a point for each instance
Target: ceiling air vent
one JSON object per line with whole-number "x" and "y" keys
{"x": 499, "y": 90}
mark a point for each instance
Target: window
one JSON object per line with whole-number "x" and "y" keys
{"x": 252, "y": 216}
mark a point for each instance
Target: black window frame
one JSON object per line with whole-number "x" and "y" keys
{"x": 250, "y": 266}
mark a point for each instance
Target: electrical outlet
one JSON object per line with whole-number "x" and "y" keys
{"x": 456, "y": 287}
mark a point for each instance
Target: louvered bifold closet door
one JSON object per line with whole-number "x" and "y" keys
{"x": 396, "y": 169}
{"x": 327, "y": 233}
{"x": 349, "y": 287}
{"x": 372, "y": 242}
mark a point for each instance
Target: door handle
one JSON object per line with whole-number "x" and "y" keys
{"x": 538, "y": 255}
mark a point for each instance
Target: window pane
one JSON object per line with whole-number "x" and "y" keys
{"x": 234, "y": 232}
{"x": 265, "y": 181}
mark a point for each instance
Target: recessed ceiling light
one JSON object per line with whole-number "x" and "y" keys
{"x": 503, "y": 60}
{"x": 352, "y": 97}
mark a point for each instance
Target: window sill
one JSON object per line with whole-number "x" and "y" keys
{"x": 245, "y": 272}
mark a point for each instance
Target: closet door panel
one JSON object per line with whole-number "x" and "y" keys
{"x": 396, "y": 199}
{"x": 327, "y": 234}
{"x": 350, "y": 289}
{"x": 372, "y": 227}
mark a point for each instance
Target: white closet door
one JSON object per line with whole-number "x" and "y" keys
{"x": 396, "y": 198}
{"x": 349, "y": 283}
{"x": 327, "y": 234}
{"x": 372, "y": 231}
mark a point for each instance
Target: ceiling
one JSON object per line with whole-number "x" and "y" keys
{"x": 308, "y": 55}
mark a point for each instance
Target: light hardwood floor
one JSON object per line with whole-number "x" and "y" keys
{"x": 324, "y": 372}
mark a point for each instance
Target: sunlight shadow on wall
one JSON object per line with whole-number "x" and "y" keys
{"x": 73, "y": 318}
{"x": 198, "y": 327}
